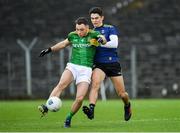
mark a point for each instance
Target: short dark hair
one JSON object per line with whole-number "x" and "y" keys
{"x": 97, "y": 10}
{"x": 82, "y": 20}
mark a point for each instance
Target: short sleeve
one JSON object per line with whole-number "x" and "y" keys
{"x": 69, "y": 37}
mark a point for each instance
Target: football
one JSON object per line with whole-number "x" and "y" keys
{"x": 54, "y": 104}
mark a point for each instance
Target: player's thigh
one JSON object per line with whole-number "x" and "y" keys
{"x": 66, "y": 77}
{"x": 118, "y": 83}
{"x": 97, "y": 76}
{"x": 83, "y": 74}
{"x": 82, "y": 89}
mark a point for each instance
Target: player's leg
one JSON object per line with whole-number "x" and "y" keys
{"x": 118, "y": 83}
{"x": 64, "y": 81}
{"x": 83, "y": 80}
{"x": 82, "y": 89}
{"x": 97, "y": 77}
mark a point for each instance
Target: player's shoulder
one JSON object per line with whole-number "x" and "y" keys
{"x": 72, "y": 33}
{"x": 113, "y": 29}
{"x": 108, "y": 26}
{"x": 93, "y": 32}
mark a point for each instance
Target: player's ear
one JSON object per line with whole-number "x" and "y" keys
{"x": 87, "y": 26}
{"x": 102, "y": 18}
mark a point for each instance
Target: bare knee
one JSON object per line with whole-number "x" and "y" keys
{"x": 123, "y": 94}
{"x": 79, "y": 99}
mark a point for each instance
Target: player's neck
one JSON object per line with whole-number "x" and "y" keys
{"x": 100, "y": 25}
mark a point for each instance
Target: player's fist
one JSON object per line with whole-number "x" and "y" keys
{"x": 45, "y": 51}
{"x": 101, "y": 39}
{"x": 94, "y": 42}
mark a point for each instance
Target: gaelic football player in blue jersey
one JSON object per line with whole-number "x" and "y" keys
{"x": 106, "y": 63}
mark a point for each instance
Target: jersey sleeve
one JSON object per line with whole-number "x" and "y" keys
{"x": 70, "y": 36}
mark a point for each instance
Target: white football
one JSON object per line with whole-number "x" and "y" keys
{"x": 54, "y": 104}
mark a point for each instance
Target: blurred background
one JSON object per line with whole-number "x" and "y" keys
{"x": 148, "y": 46}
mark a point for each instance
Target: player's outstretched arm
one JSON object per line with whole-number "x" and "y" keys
{"x": 55, "y": 48}
{"x": 60, "y": 45}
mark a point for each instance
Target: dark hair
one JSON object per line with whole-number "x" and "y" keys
{"x": 82, "y": 20}
{"x": 97, "y": 10}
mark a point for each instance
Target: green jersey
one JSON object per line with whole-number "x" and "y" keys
{"x": 83, "y": 49}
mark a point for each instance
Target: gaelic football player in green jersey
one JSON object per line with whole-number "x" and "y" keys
{"x": 79, "y": 68}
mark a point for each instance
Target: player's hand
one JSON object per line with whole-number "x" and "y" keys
{"x": 45, "y": 51}
{"x": 94, "y": 42}
{"x": 101, "y": 39}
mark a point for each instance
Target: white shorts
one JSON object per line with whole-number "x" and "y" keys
{"x": 80, "y": 73}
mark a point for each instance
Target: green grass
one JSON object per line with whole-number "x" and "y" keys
{"x": 148, "y": 116}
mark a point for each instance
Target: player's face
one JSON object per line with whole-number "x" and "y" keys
{"x": 82, "y": 29}
{"x": 97, "y": 20}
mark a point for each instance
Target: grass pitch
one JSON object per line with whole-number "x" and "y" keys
{"x": 148, "y": 116}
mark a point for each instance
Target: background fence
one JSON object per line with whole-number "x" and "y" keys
{"x": 148, "y": 45}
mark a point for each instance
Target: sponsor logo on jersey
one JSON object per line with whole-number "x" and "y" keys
{"x": 102, "y": 32}
{"x": 81, "y": 45}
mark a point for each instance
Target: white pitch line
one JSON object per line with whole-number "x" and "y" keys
{"x": 156, "y": 119}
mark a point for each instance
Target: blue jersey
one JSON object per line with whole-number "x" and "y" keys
{"x": 106, "y": 55}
